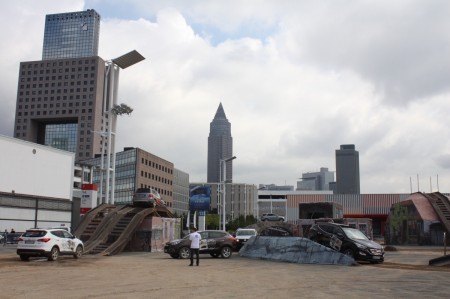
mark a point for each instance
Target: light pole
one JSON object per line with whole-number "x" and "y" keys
{"x": 224, "y": 179}
{"x": 110, "y": 112}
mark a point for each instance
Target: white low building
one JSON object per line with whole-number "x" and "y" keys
{"x": 36, "y": 185}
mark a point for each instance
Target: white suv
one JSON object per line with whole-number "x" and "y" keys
{"x": 271, "y": 217}
{"x": 243, "y": 235}
{"x": 50, "y": 243}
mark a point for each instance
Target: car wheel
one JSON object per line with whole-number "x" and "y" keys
{"x": 78, "y": 252}
{"x": 184, "y": 252}
{"x": 175, "y": 256}
{"x": 349, "y": 252}
{"x": 225, "y": 252}
{"x": 24, "y": 257}
{"x": 215, "y": 255}
{"x": 54, "y": 254}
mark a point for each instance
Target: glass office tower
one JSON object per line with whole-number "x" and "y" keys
{"x": 71, "y": 35}
{"x": 347, "y": 170}
{"x": 220, "y": 146}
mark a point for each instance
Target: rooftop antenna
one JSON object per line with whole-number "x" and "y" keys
{"x": 418, "y": 189}
{"x": 437, "y": 182}
{"x": 410, "y": 184}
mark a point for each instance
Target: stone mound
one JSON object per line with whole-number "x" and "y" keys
{"x": 293, "y": 250}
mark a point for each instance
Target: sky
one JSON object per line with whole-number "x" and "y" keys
{"x": 296, "y": 79}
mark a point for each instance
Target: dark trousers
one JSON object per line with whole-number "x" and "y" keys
{"x": 194, "y": 251}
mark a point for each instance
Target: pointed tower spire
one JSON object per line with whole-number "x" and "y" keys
{"x": 220, "y": 113}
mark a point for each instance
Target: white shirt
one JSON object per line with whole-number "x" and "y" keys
{"x": 195, "y": 239}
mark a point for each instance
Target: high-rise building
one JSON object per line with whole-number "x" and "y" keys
{"x": 316, "y": 180}
{"x": 59, "y": 98}
{"x": 347, "y": 170}
{"x": 71, "y": 35}
{"x": 220, "y": 147}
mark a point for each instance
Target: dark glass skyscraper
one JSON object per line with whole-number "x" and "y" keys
{"x": 71, "y": 35}
{"x": 220, "y": 146}
{"x": 347, "y": 170}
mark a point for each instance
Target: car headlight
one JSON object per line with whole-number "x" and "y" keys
{"x": 175, "y": 242}
{"x": 360, "y": 246}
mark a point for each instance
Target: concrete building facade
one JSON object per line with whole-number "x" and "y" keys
{"x": 60, "y": 98}
{"x": 136, "y": 168}
{"x": 316, "y": 180}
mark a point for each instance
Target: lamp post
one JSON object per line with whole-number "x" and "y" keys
{"x": 224, "y": 179}
{"x": 110, "y": 112}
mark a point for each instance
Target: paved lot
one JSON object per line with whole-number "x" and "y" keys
{"x": 405, "y": 274}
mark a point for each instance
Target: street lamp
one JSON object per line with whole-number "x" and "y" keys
{"x": 110, "y": 112}
{"x": 223, "y": 176}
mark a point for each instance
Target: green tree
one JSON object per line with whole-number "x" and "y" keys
{"x": 212, "y": 221}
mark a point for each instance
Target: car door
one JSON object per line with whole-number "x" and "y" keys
{"x": 60, "y": 240}
{"x": 326, "y": 234}
{"x": 69, "y": 241}
{"x": 214, "y": 240}
{"x": 204, "y": 241}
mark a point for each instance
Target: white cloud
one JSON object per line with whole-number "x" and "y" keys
{"x": 312, "y": 77}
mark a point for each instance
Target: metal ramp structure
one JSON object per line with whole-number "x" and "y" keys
{"x": 107, "y": 229}
{"x": 441, "y": 205}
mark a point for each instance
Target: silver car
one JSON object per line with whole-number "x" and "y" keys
{"x": 147, "y": 197}
{"x": 271, "y": 217}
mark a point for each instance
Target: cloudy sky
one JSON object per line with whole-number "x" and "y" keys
{"x": 296, "y": 79}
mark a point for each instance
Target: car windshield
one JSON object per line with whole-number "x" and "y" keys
{"x": 354, "y": 233}
{"x": 34, "y": 233}
{"x": 245, "y": 232}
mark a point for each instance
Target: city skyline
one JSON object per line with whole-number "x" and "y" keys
{"x": 369, "y": 74}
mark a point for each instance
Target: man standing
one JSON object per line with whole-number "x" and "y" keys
{"x": 195, "y": 238}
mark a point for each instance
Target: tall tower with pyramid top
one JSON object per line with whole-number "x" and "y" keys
{"x": 220, "y": 146}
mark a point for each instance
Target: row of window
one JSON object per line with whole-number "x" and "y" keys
{"x": 156, "y": 165}
{"x": 58, "y": 91}
{"x": 56, "y": 112}
{"x": 160, "y": 191}
{"x": 154, "y": 177}
{"x": 60, "y": 63}
{"x": 58, "y": 71}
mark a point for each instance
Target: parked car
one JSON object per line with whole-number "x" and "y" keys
{"x": 348, "y": 240}
{"x": 50, "y": 243}
{"x": 243, "y": 235}
{"x": 271, "y": 217}
{"x": 214, "y": 242}
{"x": 147, "y": 197}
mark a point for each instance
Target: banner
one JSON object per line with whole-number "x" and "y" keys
{"x": 200, "y": 198}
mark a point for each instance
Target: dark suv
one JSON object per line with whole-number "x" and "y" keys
{"x": 214, "y": 242}
{"x": 348, "y": 240}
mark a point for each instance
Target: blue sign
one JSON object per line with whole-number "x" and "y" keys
{"x": 200, "y": 198}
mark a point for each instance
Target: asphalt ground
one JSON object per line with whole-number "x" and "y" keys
{"x": 404, "y": 274}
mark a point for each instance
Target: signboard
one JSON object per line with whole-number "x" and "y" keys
{"x": 88, "y": 197}
{"x": 200, "y": 198}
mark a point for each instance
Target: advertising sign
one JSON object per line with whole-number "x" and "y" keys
{"x": 200, "y": 198}
{"x": 88, "y": 197}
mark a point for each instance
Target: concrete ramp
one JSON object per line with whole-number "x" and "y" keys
{"x": 293, "y": 250}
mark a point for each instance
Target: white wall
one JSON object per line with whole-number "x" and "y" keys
{"x": 33, "y": 169}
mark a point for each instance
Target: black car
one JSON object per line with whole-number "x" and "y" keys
{"x": 348, "y": 240}
{"x": 214, "y": 242}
